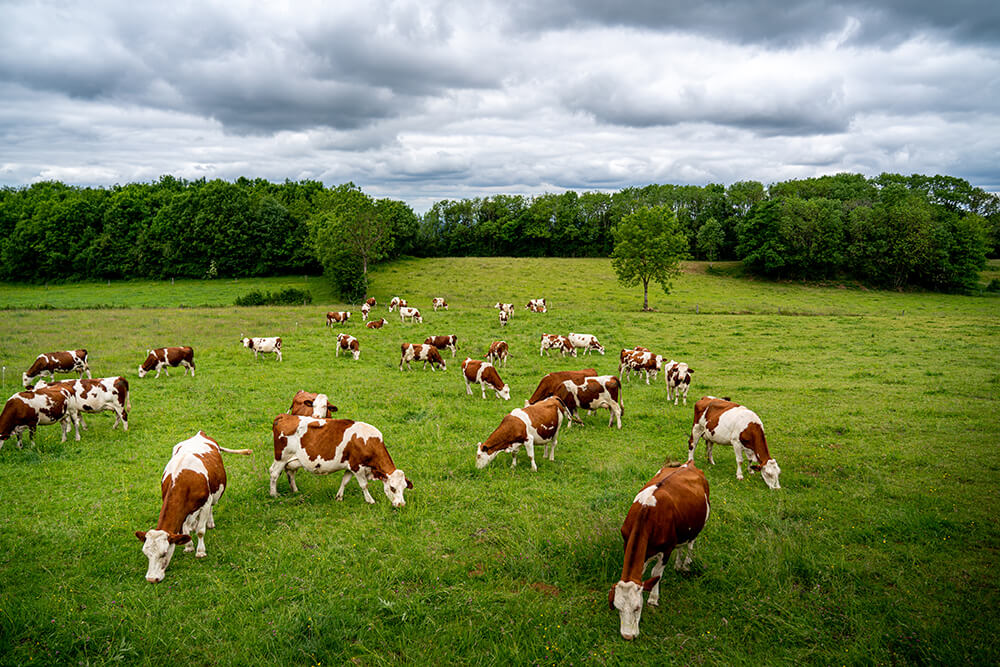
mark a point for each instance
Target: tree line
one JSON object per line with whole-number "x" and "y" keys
{"x": 888, "y": 231}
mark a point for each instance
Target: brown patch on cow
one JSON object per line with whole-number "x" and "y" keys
{"x": 510, "y": 430}
{"x": 549, "y": 384}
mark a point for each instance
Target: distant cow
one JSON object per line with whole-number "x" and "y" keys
{"x": 438, "y": 302}
{"x": 27, "y": 410}
{"x": 549, "y": 384}
{"x": 164, "y": 357}
{"x": 349, "y": 344}
{"x": 637, "y": 361}
{"x": 50, "y": 363}
{"x": 726, "y": 423}
{"x": 96, "y": 396}
{"x": 308, "y": 404}
{"x": 504, "y": 317}
{"x": 192, "y": 483}
{"x": 396, "y": 303}
{"x": 556, "y": 342}
{"x": 420, "y": 352}
{"x": 483, "y": 373}
{"x": 412, "y": 313}
{"x": 263, "y": 346}
{"x": 371, "y": 302}
{"x": 590, "y": 393}
{"x": 498, "y": 352}
{"x": 537, "y": 306}
{"x": 365, "y": 309}
{"x": 337, "y": 317}
{"x": 449, "y": 342}
{"x": 586, "y": 342}
{"x": 504, "y": 307}
{"x": 669, "y": 512}
{"x": 535, "y": 424}
{"x": 376, "y": 324}
{"x": 678, "y": 380}
{"x": 322, "y": 446}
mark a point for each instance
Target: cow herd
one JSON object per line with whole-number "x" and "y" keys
{"x": 668, "y": 512}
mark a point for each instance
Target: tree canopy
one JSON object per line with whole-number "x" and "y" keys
{"x": 649, "y": 246}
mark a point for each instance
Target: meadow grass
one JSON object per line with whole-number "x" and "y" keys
{"x": 881, "y": 546}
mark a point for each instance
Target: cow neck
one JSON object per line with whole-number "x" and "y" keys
{"x": 759, "y": 443}
{"x": 638, "y": 541}
{"x": 174, "y": 510}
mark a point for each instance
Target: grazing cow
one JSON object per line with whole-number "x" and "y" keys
{"x": 484, "y": 373}
{"x": 726, "y": 423}
{"x": 376, "y": 324}
{"x": 528, "y": 426}
{"x": 498, "y": 352}
{"x": 163, "y": 357}
{"x": 504, "y": 317}
{"x": 438, "y": 302}
{"x": 96, "y": 396}
{"x": 349, "y": 344}
{"x": 337, "y": 317}
{"x": 449, "y": 342}
{"x": 308, "y": 404}
{"x": 26, "y": 410}
{"x": 669, "y": 512}
{"x": 504, "y": 308}
{"x": 556, "y": 342}
{"x": 263, "y": 345}
{"x": 396, "y": 303}
{"x": 678, "y": 380}
{"x": 637, "y": 361}
{"x": 421, "y": 352}
{"x": 193, "y": 482}
{"x": 591, "y": 393}
{"x": 537, "y": 306}
{"x": 371, "y": 302}
{"x": 412, "y": 313}
{"x": 587, "y": 342}
{"x": 47, "y": 365}
{"x": 549, "y": 384}
{"x": 322, "y": 446}
{"x": 365, "y": 309}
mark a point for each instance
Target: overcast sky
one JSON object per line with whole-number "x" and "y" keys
{"x": 427, "y": 100}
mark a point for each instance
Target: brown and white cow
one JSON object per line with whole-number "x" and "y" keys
{"x": 349, "y": 344}
{"x": 377, "y": 324}
{"x": 438, "y": 302}
{"x": 96, "y": 396}
{"x": 483, "y": 373}
{"x": 498, "y": 352}
{"x": 528, "y": 426}
{"x": 640, "y": 361}
{"x": 50, "y": 363}
{"x": 590, "y": 393}
{"x": 537, "y": 306}
{"x": 549, "y": 384}
{"x": 678, "y": 380}
{"x": 721, "y": 421}
{"x": 337, "y": 317}
{"x": 322, "y": 446}
{"x": 449, "y": 342}
{"x": 308, "y": 404}
{"x": 164, "y": 357}
{"x": 586, "y": 342}
{"x": 421, "y": 352}
{"x": 371, "y": 302}
{"x": 412, "y": 313}
{"x": 365, "y": 309}
{"x": 263, "y": 346}
{"x": 192, "y": 483}
{"x": 669, "y": 512}
{"x": 27, "y": 410}
{"x": 396, "y": 303}
{"x": 504, "y": 307}
{"x": 503, "y": 317}
{"x": 556, "y": 342}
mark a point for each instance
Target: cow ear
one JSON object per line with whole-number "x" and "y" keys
{"x": 690, "y": 370}
{"x": 331, "y": 408}
{"x": 611, "y": 597}
{"x": 141, "y": 534}
{"x": 179, "y": 539}
{"x": 409, "y": 484}
{"x": 649, "y": 583}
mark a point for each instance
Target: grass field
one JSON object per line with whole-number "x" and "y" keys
{"x": 880, "y": 548}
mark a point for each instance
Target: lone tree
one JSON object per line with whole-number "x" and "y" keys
{"x": 649, "y": 245}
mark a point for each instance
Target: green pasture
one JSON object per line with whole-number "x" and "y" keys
{"x": 880, "y": 548}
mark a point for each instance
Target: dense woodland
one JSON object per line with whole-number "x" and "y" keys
{"x": 890, "y": 231}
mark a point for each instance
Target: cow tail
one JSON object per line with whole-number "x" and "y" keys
{"x": 244, "y": 452}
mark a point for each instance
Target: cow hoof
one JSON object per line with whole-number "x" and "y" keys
{"x": 200, "y": 554}
{"x": 188, "y": 549}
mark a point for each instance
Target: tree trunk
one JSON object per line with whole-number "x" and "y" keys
{"x": 645, "y": 294}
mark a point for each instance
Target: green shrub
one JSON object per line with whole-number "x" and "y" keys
{"x": 286, "y": 297}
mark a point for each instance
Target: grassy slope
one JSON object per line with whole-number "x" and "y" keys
{"x": 881, "y": 545}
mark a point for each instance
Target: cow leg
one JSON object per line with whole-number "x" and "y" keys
{"x": 696, "y": 433}
{"x": 654, "y": 592}
{"x": 279, "y": 354}
{"x": 65, "y": 424}
{"x": 708, "y": 449}
{"x": 616, "y": 415}
{"x": 75, "y": 421}
{"x": 275, "y": 471}
{"x": 738, "y": 449}
{"x": 686, "y": 564}
{"x": 468, "y": 387}
{"x": 189, "y": 529}
{"x": 343, "y": 484}
{"x": 363, "y": 483}
{"x": 482, "y": 385}
{"x": 201, "y": 525}
{"x": 529, "y": 448}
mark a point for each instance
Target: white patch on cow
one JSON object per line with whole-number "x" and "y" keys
{"x": 770, "y": 473}
{"x": 159, "y": 551}
{"x": 646, "y": 497}
{"x": 394, "y": 486}
{"x": 628, "y": 602}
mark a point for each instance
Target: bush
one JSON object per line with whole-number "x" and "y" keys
{"x": 286, "y": 297}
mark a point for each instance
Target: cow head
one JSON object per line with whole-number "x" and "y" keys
{"x": 482, "y": 457}
{"x": 246, "y": 342}
{"x": 158, "y": 546}
{"x": 770, "y": 472}
{"x": 27, "y": 380}
{"x": 626, "y": 597}
{"x": 394, "y": 484}
{"x": 594, "y": 345}
{"x": 503, "y": 393}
